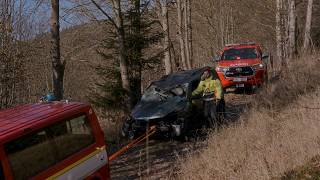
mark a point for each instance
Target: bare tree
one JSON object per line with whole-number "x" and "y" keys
{"x": 292, "y": 29}
{"x": 12, "y": 54}
{"x": 189, "y": 31}
{"x": 215, "y": 24}
{"x": 307, "y": 37}
{"x": 186, "y": 33}
{"x": 163, "y": 16}
{"x": 180, "y": 35}
{"x": 278, "y": 30}
{"x": 57, "y": 65}
{"x": 118, "y": 20}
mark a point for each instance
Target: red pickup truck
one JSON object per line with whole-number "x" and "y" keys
{"x": 241, "y": 65}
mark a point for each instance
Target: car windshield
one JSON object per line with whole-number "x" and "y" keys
{"x": 244, "y": 53}
{"x": 155, "y": 94}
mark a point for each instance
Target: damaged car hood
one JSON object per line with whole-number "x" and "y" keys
{"x": 156, "y": 110}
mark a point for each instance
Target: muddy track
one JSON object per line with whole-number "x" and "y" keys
{"x": 157, "y": 159}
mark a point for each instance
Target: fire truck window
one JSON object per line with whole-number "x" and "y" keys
{"x": 33, "y": 153}
{"x": 1, "y": 172}
{"x": 78, "y": 136}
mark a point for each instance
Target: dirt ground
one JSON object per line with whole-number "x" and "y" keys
{"x": 160, "y": 161}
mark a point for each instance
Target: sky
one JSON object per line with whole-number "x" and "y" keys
{"x": 38, "y": 15}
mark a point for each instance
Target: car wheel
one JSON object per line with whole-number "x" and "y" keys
{"x": 126, "y": 130}
{"x": 131, "y": 135}
{"x": 122, "y": 133}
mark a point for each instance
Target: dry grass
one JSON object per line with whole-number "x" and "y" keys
{"x": 301, "y": 77}
{"x": 279, "y": 133}
{"x": 311, "y": 170}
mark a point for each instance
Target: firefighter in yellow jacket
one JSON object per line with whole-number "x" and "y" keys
{"x": 210, "y": 89}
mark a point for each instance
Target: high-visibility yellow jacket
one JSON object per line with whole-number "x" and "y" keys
{"x": 209, "y": 86}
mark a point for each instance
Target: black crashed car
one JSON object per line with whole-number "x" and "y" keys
{"x": 167, "y": 104}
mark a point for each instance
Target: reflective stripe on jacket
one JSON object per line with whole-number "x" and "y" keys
{"x": 209, "y": 86}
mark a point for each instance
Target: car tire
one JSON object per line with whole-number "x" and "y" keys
{"x": 131, "y": 135}
{"x": 122, "y": 133}
{"x": 127, "y": 131}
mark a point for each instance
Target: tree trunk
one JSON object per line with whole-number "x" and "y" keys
{"x": 189, "y": 22}
{"x": 186, "y": 33}
{"x": 221, "y": 22}
{"x": 122, "y": 50}
{"x": 136, "y": 66}
{"x": 163, "y": 16}
{"x": 57, "y": 66}
{"x": 292, "y": 28}
{"x": 307, "y": 37}
{"x": 278, "y": 31}
{"x": 180, "y": 33}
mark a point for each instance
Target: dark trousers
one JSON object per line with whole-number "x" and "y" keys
{"x": 214, "y": 112}
{"x": 210, "y": 113}
{"x": 221, "y": 107}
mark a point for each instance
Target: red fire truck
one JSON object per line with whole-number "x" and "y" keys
{"x": 54, "y": 140}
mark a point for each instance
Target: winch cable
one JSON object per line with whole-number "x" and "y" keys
{"x": 141, "y": 138}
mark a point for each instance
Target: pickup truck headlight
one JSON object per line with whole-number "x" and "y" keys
{"x": 257, "y": 67}
{"x": 222, "y": 69}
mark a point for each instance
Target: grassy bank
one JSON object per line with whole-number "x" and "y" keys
{"x": 279, "y": 132}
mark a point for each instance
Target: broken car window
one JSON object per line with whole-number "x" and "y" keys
{"x": 154, "y": 94}
{"x": 151, "y": 95}
{"x": 178, "y": 91}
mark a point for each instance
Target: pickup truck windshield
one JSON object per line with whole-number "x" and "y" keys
{"x": 244, "y": 53}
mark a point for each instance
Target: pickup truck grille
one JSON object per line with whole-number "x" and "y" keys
{"x": 239, "y": 71}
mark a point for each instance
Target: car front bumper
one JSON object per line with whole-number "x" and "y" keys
{"x": 255, "y": 80}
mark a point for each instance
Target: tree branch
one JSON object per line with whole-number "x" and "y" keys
{"x": 104, "y": 13}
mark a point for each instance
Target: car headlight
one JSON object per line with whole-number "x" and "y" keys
{"x": 222, "y": 69}
{"x": 257, "y": 66}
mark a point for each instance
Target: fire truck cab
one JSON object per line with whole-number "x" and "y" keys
{"x": 54, "y": 140}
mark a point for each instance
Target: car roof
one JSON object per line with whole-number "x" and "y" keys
{"x": 179, "y": 78}
{"x": 241, "y": 45}
{"x": 17, "y": 119}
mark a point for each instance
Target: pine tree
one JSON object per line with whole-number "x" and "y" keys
{"x": 139, "y": 35}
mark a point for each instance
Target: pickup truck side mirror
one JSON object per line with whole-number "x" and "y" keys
{"x": 216, "y": 58}
{"x": 265, "y": 56}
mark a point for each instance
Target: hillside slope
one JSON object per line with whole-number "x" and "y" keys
{"x": 269, "y": 139}
{"x": 78, "y": 49}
